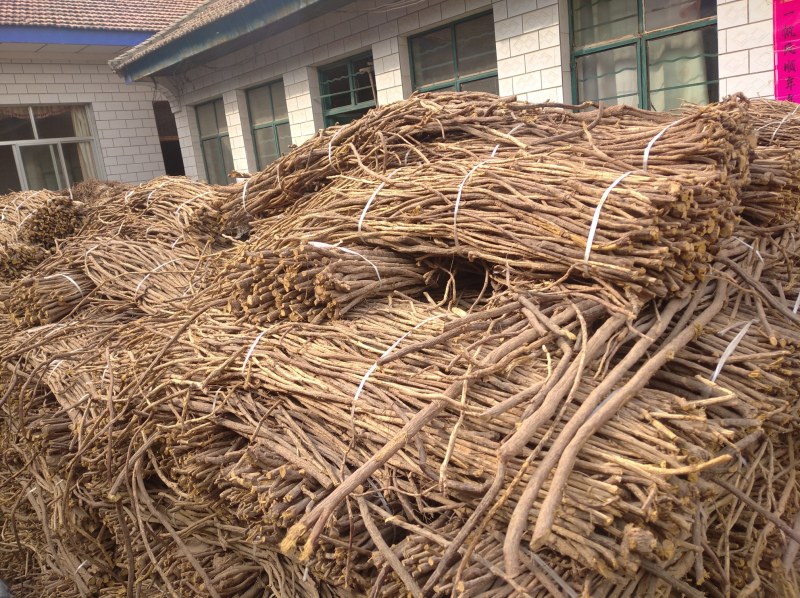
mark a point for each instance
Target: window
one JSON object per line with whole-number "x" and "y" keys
{"x": 46, "y": 147}
{"x": 347, "y": 89}
{"x": 460, "y": 57}
{"x": 215, "y": 141}
{"x": 269, "y": 120}
{"x": 649, "y": 53}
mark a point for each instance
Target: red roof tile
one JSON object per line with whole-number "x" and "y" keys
{"x": 112, "y": 15}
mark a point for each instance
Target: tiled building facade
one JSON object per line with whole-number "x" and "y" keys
{"x": 538, "y": 53}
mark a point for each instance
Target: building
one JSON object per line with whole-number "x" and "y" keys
{"x": 246, "y": 78}
{"x": 64, "y": 115}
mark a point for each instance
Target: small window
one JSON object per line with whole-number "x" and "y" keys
{"x": 269, "y": 119}
{"x": 459, "y": 57}
{"x": 215, "y": 142}
{"x": 645, "y": 53}
{"x": 347, "y": 89}
{"x": 45, "y": 147}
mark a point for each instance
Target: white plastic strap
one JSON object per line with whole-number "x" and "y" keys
{"x": 252, "y": 348}
{"x": 783, "y": 120}
{"x": 596, "y": 217}
{"x": 81, "y": 566}
{"x": 320, "y": 245}
{"x": 180, "y": 207}
{"x": 330, "y": 146}
{"x": 69, "y": 278}
{"x": 653, "y": 142}
{"x": 371, "y": 199}
{"x": 156, "y": 269}
{"x": 458, "y": 199}
{"x": 374, "y": 366}
{"x": 796, "y": 304}
{"x": 128, "y": 194}
{"x": 758, "y": 253}
{"x": 730, "y": 349}
{"x": 244, "y": 195}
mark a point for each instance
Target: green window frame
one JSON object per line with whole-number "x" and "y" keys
{"x": 269, "y": 122}
{"x": 347, "y": 89}
{"x": 653, "y": 89}
{"x": 456, "y": 70}
{"x": 215, "y": 144}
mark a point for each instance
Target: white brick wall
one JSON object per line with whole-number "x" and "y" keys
{"x": 533, "y": 59}
{"x": 745, "y": 47}
{"x": 123, "y": 114}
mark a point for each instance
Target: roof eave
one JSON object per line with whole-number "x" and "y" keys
{"x": 259, "y": 16}
{"x": 25, "y": 34}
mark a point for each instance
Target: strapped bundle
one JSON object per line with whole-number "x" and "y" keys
{"x": 458, "y": 353}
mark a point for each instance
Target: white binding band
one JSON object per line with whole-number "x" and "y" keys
{"x": 596, "y": 217}
{"x": 180, "y": 207}
{"x": 796, "y": 304}
{"x": 653, "y": 142}
{"x": 141, "y": 282}
{"x": 371, "y": 199}
{"x": 758, "y": 253}
{"x": 252, "y": 348}
{"x": 244, "y": 195}
{"x": 780, "y": 124}
{"x": 69, "y": 278}
{"x": 320, "y": 245}
{"x": 458, "y": 199}
{"x": 374, "y": 366}
{"x": 330, "y": 146}
{"x": 730, "y": 349}
{"x": 464, "y": 182}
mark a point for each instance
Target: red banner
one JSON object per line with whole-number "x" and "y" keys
{"x": 786, "y": 21}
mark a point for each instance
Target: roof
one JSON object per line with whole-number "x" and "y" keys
{"x": 208, "y": 12}
{"x": 213, "y": 28}
{"x": 107, "y": 15}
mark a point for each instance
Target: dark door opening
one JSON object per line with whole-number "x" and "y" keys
{"x": 168, "y": 136}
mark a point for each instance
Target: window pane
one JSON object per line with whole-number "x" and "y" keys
{"x": 610, "y": 76}
{"x": 362, "y": 75}
{"x": 59, "y": 121}
{"x": 15, "y": 123}
{"x": 222, "y": 124}
{"x": 284, "y": 138}
{"x": 336, "y": 87}
{"x": 279, "y": 101}
{"x": 666, "y": 13}
{"x": 432, "y": 54}
{"x": 344, "y": 117}
{"x": 207, "y": 120}
{"x": 227, "y": 158}
{"x": 266, "y": 147}
{"x": 79, "y": 160}
{"x": 475, "y": 46}
{"x": 40, "y": 163}
{"x": 260, "y": 106}
{"x": 9, "y": 179}
{"x": 489, "y": 84}
{"x": 683, "y": 68}
{"x": 602, "y": 20}
{"x": 215, "y": 165}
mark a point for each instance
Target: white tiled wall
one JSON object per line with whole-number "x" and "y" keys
{"x": 745, "y": 47}
{"x": 367, "y": 25}
{"x": 529, "y": 56}
{"x": 532, "y": 43}
{"x": 123, "y": 114}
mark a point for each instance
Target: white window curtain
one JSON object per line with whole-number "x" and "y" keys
{"x": 80, "y": 121}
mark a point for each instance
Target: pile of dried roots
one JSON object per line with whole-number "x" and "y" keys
{"x": 462, "y": 346}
